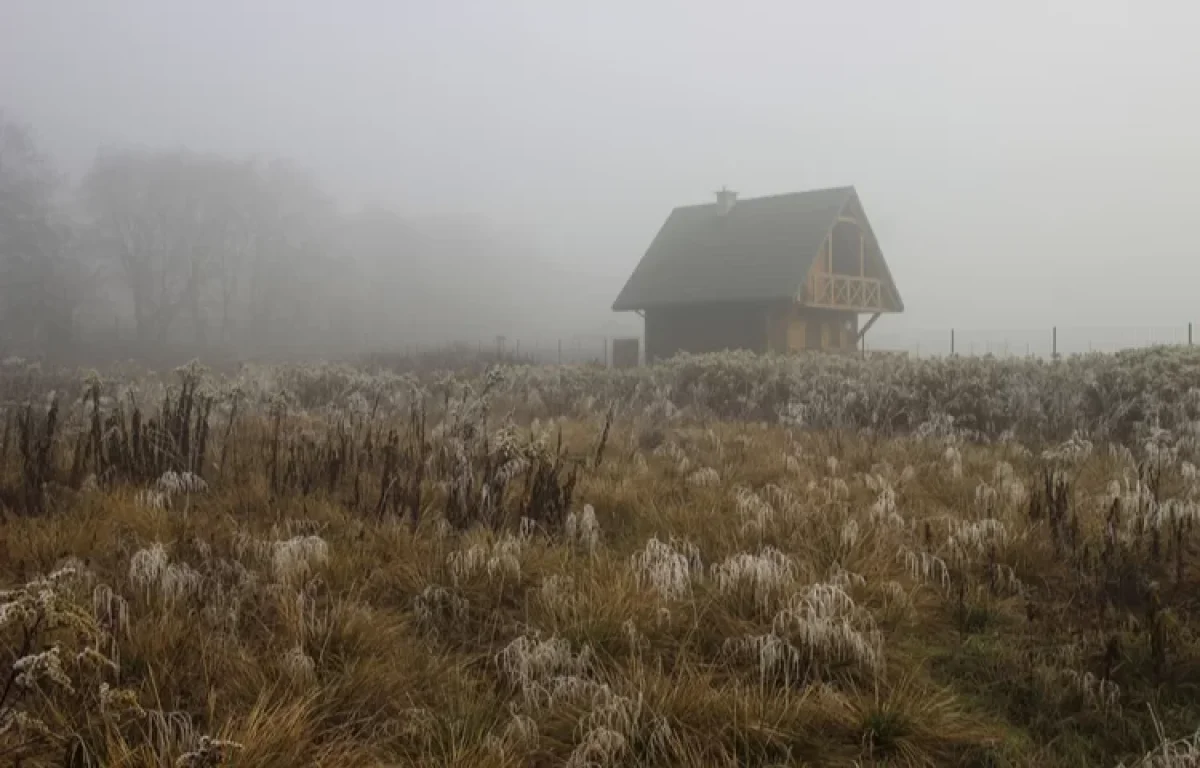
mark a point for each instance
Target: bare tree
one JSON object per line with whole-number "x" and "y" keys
{"x": 164, "y": 219}
{"x": 290, "y": 268}
{"x": 40, "y": 282}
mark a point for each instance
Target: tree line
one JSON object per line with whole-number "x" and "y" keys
{"x": 159, "y": 249}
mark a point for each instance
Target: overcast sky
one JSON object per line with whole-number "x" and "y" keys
{"x": 1023, "y": 162}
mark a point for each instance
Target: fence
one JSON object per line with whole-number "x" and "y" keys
{"x": 598, "y": 349}
{"x": 1024, "y": 342}
{"x": 1027, "y": 342}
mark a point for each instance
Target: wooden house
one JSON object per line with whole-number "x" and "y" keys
{"x": 783, "y": 273}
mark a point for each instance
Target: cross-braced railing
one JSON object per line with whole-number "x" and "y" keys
{"x": 845, "y": 292}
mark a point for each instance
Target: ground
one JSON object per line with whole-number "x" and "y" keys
{"x": 537, "y": 566}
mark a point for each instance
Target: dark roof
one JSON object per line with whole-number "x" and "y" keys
{"x": 761, "y": 250}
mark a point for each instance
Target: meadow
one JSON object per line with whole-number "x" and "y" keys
{"x": 721, "y": 560}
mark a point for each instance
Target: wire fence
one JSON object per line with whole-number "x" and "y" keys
{"x": 597, "y": 349}
{"x": 1043, "y": 343}
{"x": 1061, "y": 341}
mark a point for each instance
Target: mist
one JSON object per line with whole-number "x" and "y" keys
{"x": 465, "y": 170}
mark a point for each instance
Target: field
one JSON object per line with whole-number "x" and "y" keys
{"x": 720, "y": 561}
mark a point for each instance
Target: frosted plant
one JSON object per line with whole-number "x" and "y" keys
{"x": 526, "y": 528}
{"x": 561, "y": 690}
{"x": 38, "y": 669}
{"x": 152, "y": 499}
{"x": 294, "y": 559}
{"x": 832, "y": 465}
{"x": 531, "y": 664}
{"x": 465, "y": 563}
{"x": 1178, "y": 753}
{"x": 521, "y": 731}
{"x": 636, "y": 638}
{"x": 45, "y": 604}
{"x": 583, "y": 529}
{"x": 115, "y": 700}
{"x": 884, "y": 511}
{"x": 663, "y": 742}
{"x": 823, "y": 621}
{"x": 1074, "y": 451}
{"x": 556, "y": 592}
{"x": 1004, "y": 578}
{"x": 1100, "y": 694}
{"x": 1009, "y": 486}
{"x": 110, "y": 610}
{"x": 671, "y": 450}
{"x": 849, "y": 534}
{"x": 499, "y": 559}
{"x": 970, "y": 540}
{"x": 1121, "y": 454}
{"x": 894, "y": 594}
{"x": 505, "y": 559}
{"x": 612, "y": 711}
{"x": 839, "y": 489}
{"x": 151, "y": 570}
{"x": 600, "y": 747}
{"x": 437, "y": 605}
{"x": 640, "y": 465}
{"x": 791, "y": 464}
{"x": 147, "y": 566}
{"x": 985, "y": 498}
{"x": 668, "y": 567}
{"x": 774, "y": 656}
{"x": 840, "y": 577}
{"x": 763, "y": 576}
{"x": 179, "y": 581}
{"x": 756, "y": 513}
{"x": 925, "y": 568}
{"x": 299, "y": 665}
{"x": 776, "y": 498}
{"x": 953, "y": 460}
{"x": 176, "y": 483}
{"x": 705, "y": 477}
{"x": 209, "y": 753}
{"x": 246, "y": 545}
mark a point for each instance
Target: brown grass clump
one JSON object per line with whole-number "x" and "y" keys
{"x": 441, "y": 578}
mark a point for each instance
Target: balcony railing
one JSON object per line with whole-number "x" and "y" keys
{"x": 831, "y": 291}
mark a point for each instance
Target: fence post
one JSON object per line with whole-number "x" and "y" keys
{"x": 952, "y": 342}
{"x": 1189, "y": 334}
{"x": 605, "y": 352}
{"x": 1054, "y": 343}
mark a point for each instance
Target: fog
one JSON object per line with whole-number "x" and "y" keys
{"x": 498, "y": 168}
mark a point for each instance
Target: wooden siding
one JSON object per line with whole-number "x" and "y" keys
{"x": 779, "y": 328}
{"x": 795, "y": 328}
{"x": 849, "y": 271}
{"x": 703, "y": 328}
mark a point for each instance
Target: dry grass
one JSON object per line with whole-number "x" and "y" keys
{"x": 443, "y": 588}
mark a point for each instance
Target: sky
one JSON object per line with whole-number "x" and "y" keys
{"x": 1024, "y": 163}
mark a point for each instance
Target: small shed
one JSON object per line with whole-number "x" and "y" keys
{"x": 783, "y": 273}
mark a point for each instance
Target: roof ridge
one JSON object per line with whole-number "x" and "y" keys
{"x": 776, "y": 195}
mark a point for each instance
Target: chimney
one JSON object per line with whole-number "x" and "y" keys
{"x": 725, "y": 200}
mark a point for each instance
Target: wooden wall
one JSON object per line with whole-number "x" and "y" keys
{"x": 706, "y": 328}
{"x": 781, "y": 328}
{"x": 794, "y": 328}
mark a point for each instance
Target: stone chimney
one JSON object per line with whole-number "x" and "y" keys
{"x": 725, "y": 200}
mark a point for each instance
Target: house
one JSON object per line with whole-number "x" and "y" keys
{"x": 783, "y": 273}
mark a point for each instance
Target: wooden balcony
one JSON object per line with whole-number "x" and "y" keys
{"x": 847, "y": 292}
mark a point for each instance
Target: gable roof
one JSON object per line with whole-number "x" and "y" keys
{"x": 761, "y": 250}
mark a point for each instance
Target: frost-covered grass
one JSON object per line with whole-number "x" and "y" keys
{"x": 576, "y": 567}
